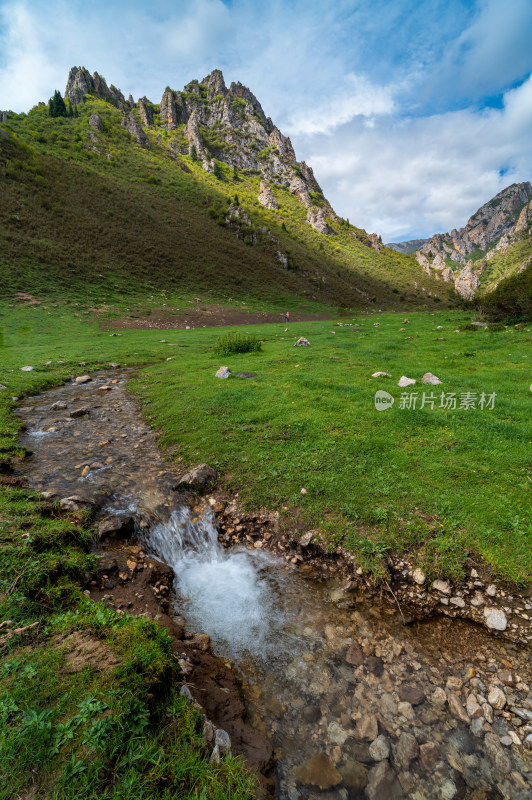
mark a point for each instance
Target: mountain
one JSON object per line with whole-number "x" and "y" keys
{"x": 463, "y": 256}
{"x": 407, "y": 247}
{"x": 200, "y": 193}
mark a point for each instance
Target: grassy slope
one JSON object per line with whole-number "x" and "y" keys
{"x": 505, "y": 264}
{"x": 73, "y": 221}
{"x": 123, "y": 731}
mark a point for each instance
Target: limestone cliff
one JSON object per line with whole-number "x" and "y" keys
{"x": 461, "y": 256}
{"x": 216, "y": 122}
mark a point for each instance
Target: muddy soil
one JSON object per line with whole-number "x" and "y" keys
{"x": 194, "y": 317}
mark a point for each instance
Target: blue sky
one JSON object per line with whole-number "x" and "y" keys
{"x": 412, "y": 113}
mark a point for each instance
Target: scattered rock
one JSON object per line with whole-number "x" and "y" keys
{"x": 442, "y": 586}
{"x": 302, "y": 342}
{"x": 381, "y": 375}
{"x": 79, "y": 412}
{"x": 27, "y": 369}
{"x": 367, "y": 729}
{"x": 495, "y": 619}
{"x": 428, "y": 377}
{"x": 245, "y": 375}
{"x": 306, "y": 538}
{"x": 223, "y": 372}
{"x": 383, "y": 783}
{"x": 379, "y": 749}
{"x": 496, "y": 698}
{"x": 2, "y": 387}
{"x": 354, "y": 775}
{"x": 200, "y": 479}
{"x": 404, "y": 381}
{"x": 429, "y": 754}
{"x": 456, "y": 708}
{"x": 319, "y": 772}
{"x": 406, "y": 749}
{"x": 115, "y": 527}
{"x": 222, "y": 741}
{"x": 355, "y": 657}
{"x": 419, "y": 577}
{"x": 411, "y": 694}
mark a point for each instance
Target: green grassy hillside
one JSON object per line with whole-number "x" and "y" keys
{"x": 119, "y": 220}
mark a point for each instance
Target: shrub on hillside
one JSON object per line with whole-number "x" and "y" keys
{"x": 237, "y": 343}
{"x": 512, "y": 299}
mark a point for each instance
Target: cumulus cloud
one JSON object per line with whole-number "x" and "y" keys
{"x": 417, "y": 176}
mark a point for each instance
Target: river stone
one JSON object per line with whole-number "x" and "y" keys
{"x": 495, "y": 619}
{"x": 115, "y": 526}
{"x": 354, "y": 775}
{"x": 319, "y": 772}
{"x": 404, "y": 381}
{"x": 58, "y": 406}
{"x": 200, "y": 479}
{"x": 447, "y": 790}
{"x": 429, "y": 754}
{"x": 379, "y": 749}
{"x": 79, "y": 412}
{"x": 354, "y": 656}
{"x": 302, "y": 342}
{"x": 406, "y": 749}
{"x": 383, "y": 783}
{"x": 411, "y": 694}
{"x": 456, "y": 707}
{"x": 438, "y": 697}
{"x": 367, "y": 729}
{"x": 496, "y": 697}
{"x": 473, "y": 707}
{"x": 83, "y": 379}
{"x": 336, "y": 734}
{"x": 223, "y": 372}
{"x": 419, "y": 577}
{"x": 431, "y": 379}
{"x": 375, "y": 665}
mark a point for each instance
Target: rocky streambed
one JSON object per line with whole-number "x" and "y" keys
{"x": 305, "y": 659}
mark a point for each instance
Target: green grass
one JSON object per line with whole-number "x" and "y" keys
{"x": 443, "y": 484}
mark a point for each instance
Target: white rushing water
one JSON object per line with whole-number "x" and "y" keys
{"x": 232, "y": 596}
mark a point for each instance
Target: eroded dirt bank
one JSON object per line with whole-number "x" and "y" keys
{"x": 354, "y": 703}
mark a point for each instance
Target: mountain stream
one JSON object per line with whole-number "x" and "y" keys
{"x": 356, "y": 705}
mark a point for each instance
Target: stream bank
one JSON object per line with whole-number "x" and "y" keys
{"x": 355, "y": 704}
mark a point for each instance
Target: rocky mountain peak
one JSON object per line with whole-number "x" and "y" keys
{"x": 80, "y": 83}
{"x": 217, "y": 123}
{"x": 493, "y": 227}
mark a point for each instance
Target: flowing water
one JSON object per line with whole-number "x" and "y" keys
{"x": 353, "y": 701}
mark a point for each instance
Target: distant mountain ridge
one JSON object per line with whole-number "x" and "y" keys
{"x": 408, "y": 247}
{"x": 462, "y": 255}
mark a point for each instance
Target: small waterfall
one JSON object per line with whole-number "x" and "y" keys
{"x": 232, "y": 596}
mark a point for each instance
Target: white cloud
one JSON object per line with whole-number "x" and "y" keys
{"x": 357, "y": 97}
{"x": 422, "y": 175}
